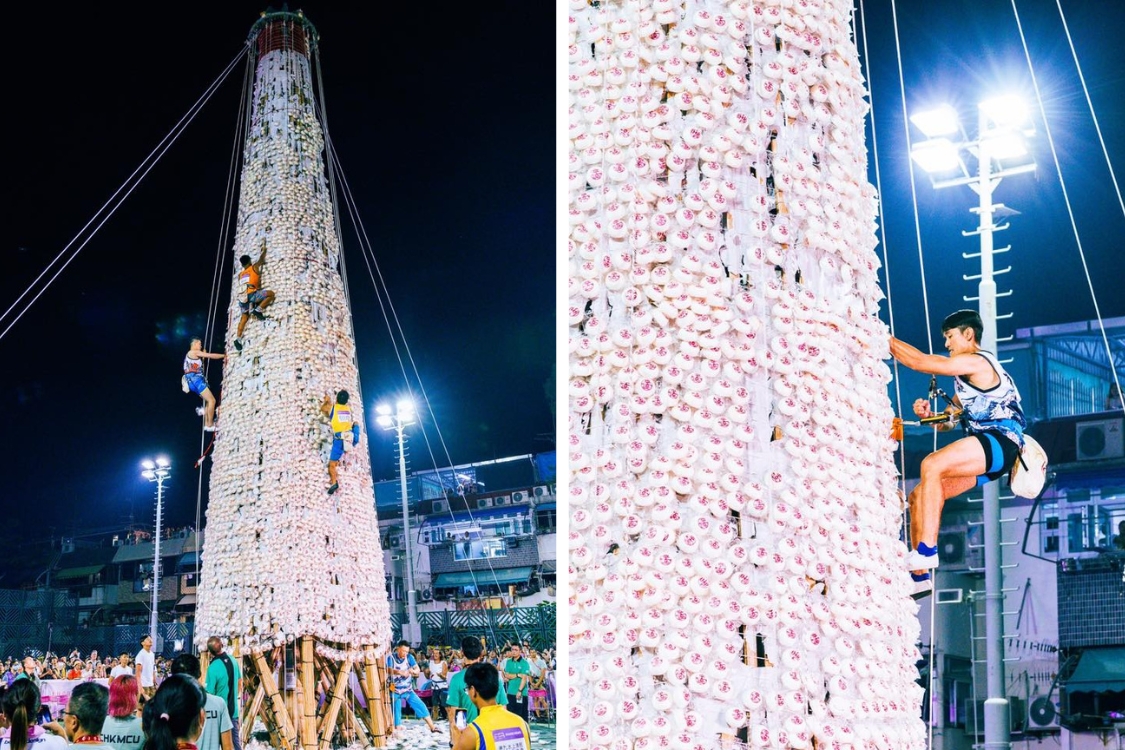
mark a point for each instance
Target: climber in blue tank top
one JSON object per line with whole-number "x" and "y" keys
{"x": 987, "y": 405}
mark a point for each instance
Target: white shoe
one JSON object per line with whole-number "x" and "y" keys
{"x": 199, "y": 410}
{"x": 917, "y": 561}
{"x": 208, "y": 428}
{"x": 922, "y": 589}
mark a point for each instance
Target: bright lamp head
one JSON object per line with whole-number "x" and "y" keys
{"x": 148, "y": 465}
{"x": 148, "y": 474}
{"x": 163, "y": 462}
{"x": 384, "y": 420}
{"x": 383, "y": 409}
{"x": 1008, "y": 111}
{"x": 937, "y": 122}
{"x": 405, "y": 407}
{"x": 936, "y": 156}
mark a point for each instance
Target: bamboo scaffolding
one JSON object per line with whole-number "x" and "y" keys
{"x": 308, "y": 686}
{"x": 287, "y": 735}
{"x": 374, "y": 693}
{"x": 333, "y": 708}
{"x": 251, "y": 713}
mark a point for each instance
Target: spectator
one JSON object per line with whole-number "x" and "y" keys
{"x": 495, "y": 726}
{"x": 458, "y": 700}
{"x": 86, "y": 714}
{"x": 225, "y": 681}
{"x": 75, "y": 671}
{"x": 438, "y": 670}
{"x": 175, "y": 716}
{"x": 122, "y": 668}
{"x": 217, "y": 729}
{"x": 21, "y": 708}
{"x": 1113, "y": 398}
{"x": 516, "y": 671}
{"x": 30, "y": 671}
{"x": 146, "y": 668}
{"x": 122, "y": 728}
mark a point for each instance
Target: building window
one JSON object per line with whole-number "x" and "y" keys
{"x": 479, "y": 549}
{"x": 545, "y": 521}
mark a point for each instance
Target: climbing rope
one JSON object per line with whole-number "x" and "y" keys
{"x": 1062, "y": 181}
{"x": 114, "y": 202}
{"x": 929, "y": 334}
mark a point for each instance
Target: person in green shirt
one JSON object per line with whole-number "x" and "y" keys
{"x": 458, "y": 701}
{"x": 220, "y": 672}
{"x": 516, "y": 670}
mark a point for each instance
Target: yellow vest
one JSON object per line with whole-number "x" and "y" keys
{"x": 499, "y": 729}
{"x": 341, "y": 418}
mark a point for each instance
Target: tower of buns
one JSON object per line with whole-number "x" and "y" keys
{"x": 291, "y": 575}
{"x": 736, "y": 573}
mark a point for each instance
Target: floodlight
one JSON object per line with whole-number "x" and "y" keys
{"x": 148, "y": 474}
{"x": 936, "y": 156}
{"x": 937, "y": 122}
{"x": 405, "y": 407}
{"x": 384, "y": 420}
{"x": 383, "y": 409}
{"x": 148, "y": 464}
{"x": 163, "y": 462}
{"x": 1004, "y": 145}
{"x": 1007, "y": 111}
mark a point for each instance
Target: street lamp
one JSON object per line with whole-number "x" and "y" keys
{"x": 156, "y": 471}
{"x": 397, "y": 420}
{"x": 1000, "y": 150}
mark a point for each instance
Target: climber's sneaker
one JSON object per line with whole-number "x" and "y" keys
{"x": 917, "y": 561}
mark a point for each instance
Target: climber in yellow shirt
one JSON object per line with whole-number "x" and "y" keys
{"x": 340, "y": 416}
{"x": 495, "y": 728}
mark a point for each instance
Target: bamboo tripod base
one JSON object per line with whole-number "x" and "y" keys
{"x": 308, "y": 712}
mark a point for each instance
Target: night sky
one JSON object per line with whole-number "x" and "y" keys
{"x": 444, "y": 124}
{"x": 962, "y": 52}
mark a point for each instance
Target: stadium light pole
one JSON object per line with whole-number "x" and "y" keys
{"x": 397, "y": 420}
{"x": 1000, "y": 150}
{"x": 156, "y": 471}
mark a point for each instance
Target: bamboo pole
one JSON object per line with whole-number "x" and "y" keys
{"x": 280, "y": 712}
{"x": 373, "y": 692}
{"x": 385, "y": 703}
{"x": 347, "y": 715}
{"x": 333, "y": 709}
{"x": 252, "y": 709}
{"x": 308, "y": 686}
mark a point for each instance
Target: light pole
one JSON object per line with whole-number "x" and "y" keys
{"x": 156, "y": 471}
{"x": 1000, "y": 151}
{"x": 397, "y": 419}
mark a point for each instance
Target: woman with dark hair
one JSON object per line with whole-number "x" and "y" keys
{"x": 122, "y": 728}
{"x": 21, "y": 708}
{"x": 173, "y": 719}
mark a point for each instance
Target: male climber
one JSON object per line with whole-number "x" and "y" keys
{"x": 194, "y": 382}
{"x": 252, "y": 299}
{"x": 987, "y": 404}
{"x": 340, "y": 417}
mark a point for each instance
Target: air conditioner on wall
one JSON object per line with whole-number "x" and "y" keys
{"x": 519, "y": 497}
{"x": 484, "y": 502}
{"x": 540, "y": 491}
{"x": 502, "y": 500}
{"x": 1042, "y": 715}
{"x": 959, "y": 548}
{"x": 1099, "y": 439}
{"x": 440, "y": 506}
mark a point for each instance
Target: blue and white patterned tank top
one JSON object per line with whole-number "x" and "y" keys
{"x": 997, "y": 408}
{"x": 193, "y": 366}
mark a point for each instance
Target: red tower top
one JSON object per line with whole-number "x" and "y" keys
{"x": 283, "y": 31}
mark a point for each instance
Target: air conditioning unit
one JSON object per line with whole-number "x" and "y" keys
{"x": 1042, "y": 715}
{"x": 540, "y": 491}
{"x": 440, "y": 506}
{"x": 426, "y": 595}
{"x": 484, "y": 502}
{"x": 960, "y": 548}
{"x": 519, "y": 497}
{"x": 502, "y": 500}
{"x": 1099, "y": 439}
